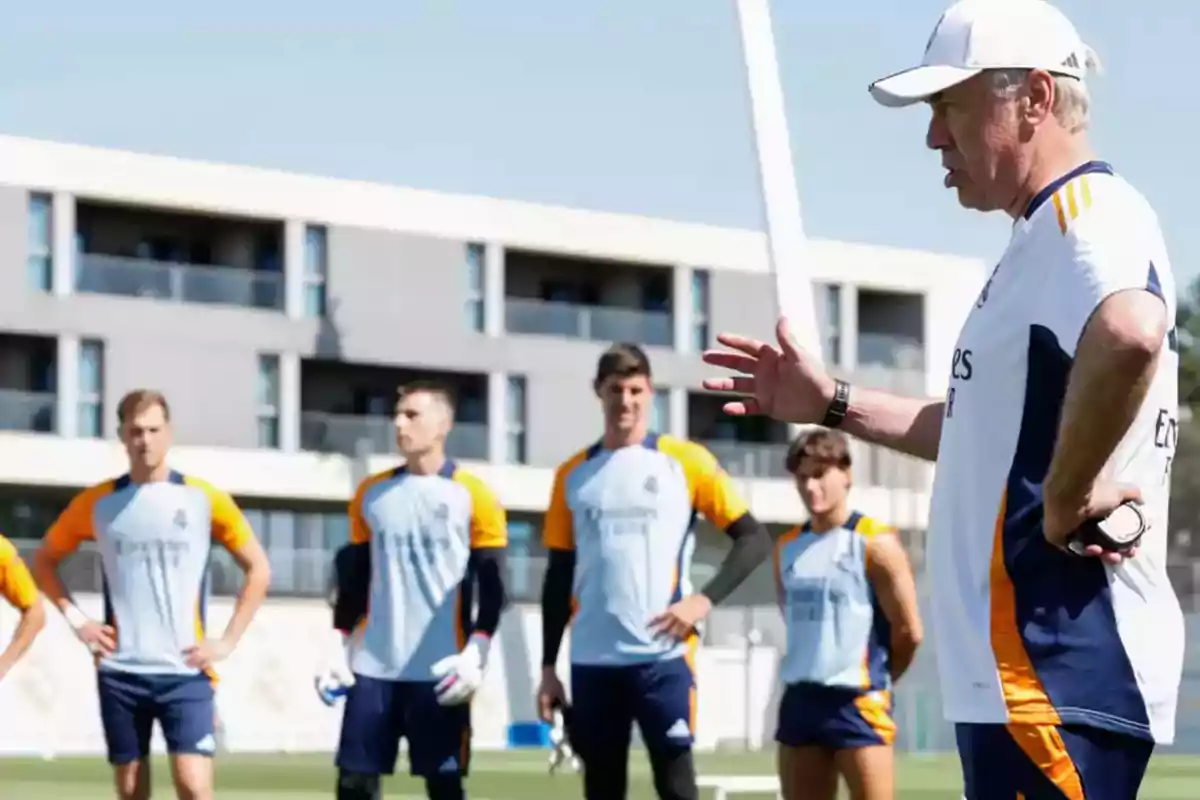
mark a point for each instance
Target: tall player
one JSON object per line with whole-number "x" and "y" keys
{"x": 619, "y": 530}
{"x": 850, "y": 604}
{"x": 1060, "y": 658}
{"x": 17, "y": 587}
{"x": 155, "y": 529}
{"x": 423, "y": 538}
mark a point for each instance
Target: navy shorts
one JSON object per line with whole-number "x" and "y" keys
{"x": 130, "y": 704}
{"x": 379, "y": 713}
{"x": 659, "y": 696}
{"x": 812, "y": 715}
{"x": 1050, "y": 762}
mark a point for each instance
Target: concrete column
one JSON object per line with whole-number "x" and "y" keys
{"x": 293, "y": 268}
{"x": 493, "y": 291}
{"x": 497, "y": 416}
{"x": 678, "y": 404}
{"x": 681, "y": 309}
{"x": 62, "y": 243}
{"x": 66, "y": 371}
{"x": 289, "y": 402}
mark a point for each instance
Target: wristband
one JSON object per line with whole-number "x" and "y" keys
{"x": 838, "y": 406}
{"x": 75, "y": 618}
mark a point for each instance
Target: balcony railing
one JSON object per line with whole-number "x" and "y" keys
{"x": 750, "y": 459}
{"x": 187, "y": 283}
{"x": 27, "y": 411}
{"x": 353, "y": 435}
{"x": 888, "y": 350}
{"x": 598, "y": 323}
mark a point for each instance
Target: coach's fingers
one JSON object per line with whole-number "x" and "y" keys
{"x": 735, "y": 385}
{"x": 787, "y": 344}
{"x": 743, "y": 343}
{"x": 1130, "y": 493}
{"x": 734, "y": 361}
{"x": 742, "y": 408}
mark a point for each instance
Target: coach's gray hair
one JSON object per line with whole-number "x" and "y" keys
{"x": 1072, "y": 104}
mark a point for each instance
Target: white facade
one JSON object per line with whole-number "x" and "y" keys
{"x": 947, "y": 283}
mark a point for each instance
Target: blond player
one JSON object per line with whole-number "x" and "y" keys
{"x": 155, "y": 529}
{"x": 1060, "y": 670}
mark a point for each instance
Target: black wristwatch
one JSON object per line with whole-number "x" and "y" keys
{"x": 1119, "y": 532}
{"x": 838, "y": 406}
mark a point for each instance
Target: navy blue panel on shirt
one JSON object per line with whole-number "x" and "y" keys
{"x": 1064, "y": 604}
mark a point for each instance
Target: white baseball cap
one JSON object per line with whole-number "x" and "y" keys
{"x": 977, "y": 35}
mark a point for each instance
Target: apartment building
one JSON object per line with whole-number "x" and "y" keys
{"x": 278, "y": 312}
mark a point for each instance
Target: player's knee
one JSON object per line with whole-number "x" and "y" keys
{"x": 445, "y": 787}
{"x": 674, "y": 774}
{"x": 357, "y": 786}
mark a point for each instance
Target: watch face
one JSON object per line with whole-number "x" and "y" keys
{"x": 1124, "y": 525}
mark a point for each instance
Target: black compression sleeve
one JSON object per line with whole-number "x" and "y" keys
{"x": 556, "y": 602}
{"x": 351, "y": 585}
{"x": 487, "y": 565}
{"x": 751, "y": 546}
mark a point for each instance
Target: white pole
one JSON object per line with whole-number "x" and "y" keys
{"x": 786, "y": 244}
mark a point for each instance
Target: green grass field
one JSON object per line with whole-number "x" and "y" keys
{"x": 495, "y": 776}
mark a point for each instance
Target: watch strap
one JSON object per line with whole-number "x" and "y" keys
{"x": 838, "y": 406}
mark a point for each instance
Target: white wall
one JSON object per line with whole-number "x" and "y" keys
{"x": 266, "y": 696}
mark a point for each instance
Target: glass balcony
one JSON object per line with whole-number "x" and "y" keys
{"x": 27, "y": 411}
{"x": 750, "y": 459}
{"x": 357, "y": 435}
{"x": 597, "y": 323}
{"x": 891, "y": 351}
{"x": 187, "y": 283}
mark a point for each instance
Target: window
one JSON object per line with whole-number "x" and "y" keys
{"x": 831, "y": 322}
{"x": 40, "y": 260}
{"x": 515, "y": 421}
{"x": 660, "y": 411}
{"x": 700, "y": 308}
{"x": 268, "y": 401}
{"x": 316, "y": 265}
{"x": 476, "y": 265}
{"x": 91, "y": 389}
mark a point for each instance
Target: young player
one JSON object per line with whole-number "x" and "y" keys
{"x": 17, "y": 587}
{"x": 423, "y": 538}
{"x": 155, "y": 529}
{"x": 850, "y": 603}
{"x": 620, "y": 534}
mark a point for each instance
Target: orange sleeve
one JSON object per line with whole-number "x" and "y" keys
{"x": 713, "y": 493}
{"x": 558, "y": 526}
{"x": 489, "y": 523}
{"x": 16, "y": 584}
{"x": 74, "y": 525}
{"x": 230, "y": 529}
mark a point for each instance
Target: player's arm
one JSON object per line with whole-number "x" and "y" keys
{"x": 18, "y": 588}
{"x": 558, "y": 535}
{"x": 891, "y": 577}
{"x": 714, "y": 496}
{"x": 72, "y": 528}
{"x": 352, "y": 570}
{"x": 489, "y": 543}
{"x": 231, "y": 530}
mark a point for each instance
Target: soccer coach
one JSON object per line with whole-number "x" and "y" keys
{"x": 1060, "y": 657}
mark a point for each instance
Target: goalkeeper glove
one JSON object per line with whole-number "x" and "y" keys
{"x": 462, "y": 674}
{"x": 334, "y": 678}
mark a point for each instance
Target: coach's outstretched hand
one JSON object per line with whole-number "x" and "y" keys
{"x": 779, "y": 382}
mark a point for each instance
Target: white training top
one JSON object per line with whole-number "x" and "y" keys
{"x": 1026, "y": 633}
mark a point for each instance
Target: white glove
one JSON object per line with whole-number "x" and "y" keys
{"x": 462, "y": 674}
{"x": 334, "y": 677}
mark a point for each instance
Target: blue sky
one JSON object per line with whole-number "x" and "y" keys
{"x": 619, "y": 105}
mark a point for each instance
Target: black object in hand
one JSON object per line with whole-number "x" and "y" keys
{"x": 1119, "y": 532}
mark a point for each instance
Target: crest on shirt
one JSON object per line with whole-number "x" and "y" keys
{"x": 180, "y": 521}
{"x": 442, "y": 512}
